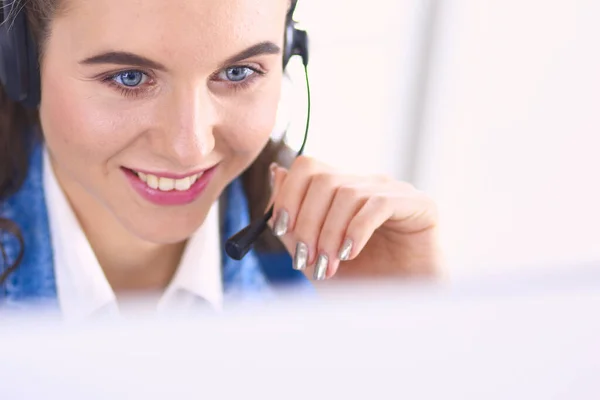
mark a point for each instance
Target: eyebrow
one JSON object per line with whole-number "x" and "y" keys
{"x": 126, "y": 58}
{"x": 123, "y": 58}
{"x": 253, "y": 51}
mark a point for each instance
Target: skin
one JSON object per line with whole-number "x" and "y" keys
{"x": 392, "y": 227}
{"x": 187, "y": 116}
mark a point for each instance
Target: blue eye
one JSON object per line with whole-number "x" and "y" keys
{"x": 129, "y": 78}
{"x": 237, "y": 74}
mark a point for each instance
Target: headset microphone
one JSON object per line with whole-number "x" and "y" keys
{"x": 239, "y": 244}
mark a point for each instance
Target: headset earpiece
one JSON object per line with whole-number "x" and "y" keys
{"x": 296, "y": 40}
{"x": 296, "y": 44}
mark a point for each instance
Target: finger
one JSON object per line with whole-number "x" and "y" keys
{"x": 313, "y": 212}
{"x": 380, "y": 208}
{"x": 348, "y": 200}
{"x": 291, "y": 194}
{"x": 278, "y": 176}
{"x": 297, "y": 248}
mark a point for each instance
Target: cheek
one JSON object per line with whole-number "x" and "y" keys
{"x": 75, "y": 122}
{"x": 248, "y": 128}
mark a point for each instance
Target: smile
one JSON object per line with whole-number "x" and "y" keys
{"x": 168, "y": 184}
{"x": 169, "y": 189}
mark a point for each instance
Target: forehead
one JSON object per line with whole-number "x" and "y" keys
{"x": 170, "y": 28}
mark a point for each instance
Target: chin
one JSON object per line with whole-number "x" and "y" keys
{"x": 170, "y": 235}
{"x": 164, "y": 231}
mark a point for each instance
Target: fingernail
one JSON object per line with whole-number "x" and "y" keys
{"x": 281, "y": 223}
{"x": 321, "y": 267}
{"x": 346, "y": 250}
{"x": 301, "y": 256}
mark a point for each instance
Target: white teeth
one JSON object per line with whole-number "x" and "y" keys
{"x": 168, "y": 184}
{"x": 183, "y": 184}
{"x": 152, "y": 181}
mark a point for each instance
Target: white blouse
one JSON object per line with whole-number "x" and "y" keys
{"x": 83, "y": 290}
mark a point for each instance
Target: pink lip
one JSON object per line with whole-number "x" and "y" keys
{"x": 173, "y": 197}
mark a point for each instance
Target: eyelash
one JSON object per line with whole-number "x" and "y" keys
{"x": 137, "y": 91}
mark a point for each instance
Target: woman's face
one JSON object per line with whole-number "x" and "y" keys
{"x": 136, "y": 93}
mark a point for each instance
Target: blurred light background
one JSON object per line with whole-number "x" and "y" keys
{"x": 487, "y": 105}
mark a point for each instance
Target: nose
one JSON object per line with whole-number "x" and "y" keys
{"x": 187, "y": 137}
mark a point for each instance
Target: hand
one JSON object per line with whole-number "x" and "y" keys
{"x": 352, "y": 226}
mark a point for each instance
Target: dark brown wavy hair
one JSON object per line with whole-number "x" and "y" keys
{"x": 14, "y": 150}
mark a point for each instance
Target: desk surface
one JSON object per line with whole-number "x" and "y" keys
{"x": 526, "y": 337}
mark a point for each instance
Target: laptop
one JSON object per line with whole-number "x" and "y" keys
{"x": 531, "y": 335}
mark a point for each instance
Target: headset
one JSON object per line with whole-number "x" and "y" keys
{"x": 20, "y": 77}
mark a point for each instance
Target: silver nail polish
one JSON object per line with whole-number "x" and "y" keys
{"x": 346, "y": 250}
{"x": 301, "y": 256}
{"x": 321, "y": 267}
{"x": 281, "y": 224}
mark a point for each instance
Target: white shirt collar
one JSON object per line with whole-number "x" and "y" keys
{"x": 82, "y": 287}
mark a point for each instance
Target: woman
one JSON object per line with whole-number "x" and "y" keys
{"x": 151, "y": 144}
